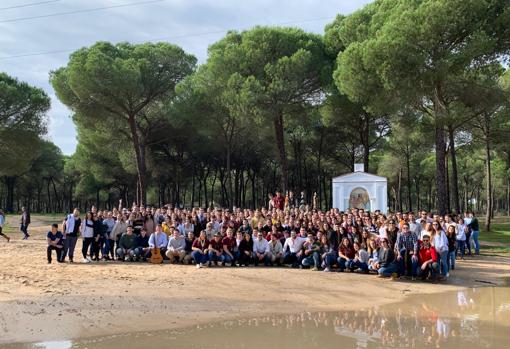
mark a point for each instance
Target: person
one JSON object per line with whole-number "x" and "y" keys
{"x": 2, "y": 222}
{"x": 109, "y": 244}
{"x": 99, "y": 233}
{"x": 475, "y": 231}
{"x": 229, "y": 245}
{"x": 467, "y": 221}
{"x": 406, "y": 248}
{"x": 260, "y": 249}
{"x": 158, "y": 239}
{"x": 461, "y": 238}
{"x": 275, "y": 250}
{"x": 440, "y": 243}
{"x": 24, "y": 222}
{"x": 245, "y": 250}
{"x": 360, "y": 260}
{"x": 346, "y": 253}
{"x": 189, "y": 243}
{"x": 142, "y": 245}
{"x": 54, "y": 239}
{"x": 87, "y": 232}
{"x": 328, "y": 253}
{"x": 127, "y": 246}
{"x": 386, "y": 265}
{"x": 451, "y": 236}
{"x": 279, "y": 201}
{"x": 311, "y": 253}
{"x": 176, "y": 248}
{"x": 391, "y": 233}
{"x": 200, "y": 249}
{"x": 72, "y": 226}
{"x": 292, "y": 249}
{"x": 374, "y": 255}
{"x": 428, "y": 260}
{"x": 119, "y": 229}
{"x": 215, "y": 249}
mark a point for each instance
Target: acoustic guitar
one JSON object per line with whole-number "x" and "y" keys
{"x": 156, "y": 257}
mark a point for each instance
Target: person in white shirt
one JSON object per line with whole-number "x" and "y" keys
{"x": 260, "y": 249}
{"x": 158, "y": 239}
{"x": 440, "y": 243}
{"x": 87, "y": 232}
{"x": 292, "y": 249}
{"x": 461, "y": 238}
{"x": 275, "y": 250}
{"x": 176, "y": 247}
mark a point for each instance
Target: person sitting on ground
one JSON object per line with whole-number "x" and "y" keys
{"x": 54, "y": 238}
{"x": 386, "y": 266}
{"x": 127, "y": 245}
{"x": 188, "y": 249}
{"x": 311, "y": 252}
{"x": 245, "y": 250}
{"x": 209, "y": 231}
{"x": 158, "y": 239}
{"x": 275, "y": 251}
{"x": 292, "y": 249}
{"x": 328, "y": 254}
{"x": 260, "y": 248}
{"x": 360, "y": 260}
{"x": 200, "y": 250}
{"x": 373, "y": 253}
{"x": 428, "y": 259}
{"x": 215, "y": 249}
{"x": 2, "y": 222}
{"x": 176, "y": 248}
{"x": 142, "y": 245}
{"x": 345, "y": 254}
{"x": 406, "y": 248}
{"x": 229, "y": 245}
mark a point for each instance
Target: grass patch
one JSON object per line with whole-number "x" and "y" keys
{"x": 500, "y": 231}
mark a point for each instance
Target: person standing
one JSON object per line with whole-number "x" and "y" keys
{"x": 2, "y": 222}
{"x": 24, "y": 222}
{"x": 72, "y": 225}
{"x": 475, "y": 231}
{"x": 87, "y": 232}
{"x": 54, "y": 238}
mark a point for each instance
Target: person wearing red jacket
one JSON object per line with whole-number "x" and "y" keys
{"x": 428, "y": 260}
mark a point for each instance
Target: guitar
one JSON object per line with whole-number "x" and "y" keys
{"x": 156, "y": 257}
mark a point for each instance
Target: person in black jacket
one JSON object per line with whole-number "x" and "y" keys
{"x": 245, "y": 250}
{"x": 386, "y": 265}
{"x": 24, "y": 222}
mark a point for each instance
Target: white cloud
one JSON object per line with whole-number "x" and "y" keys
{"x": 181, "y": 20}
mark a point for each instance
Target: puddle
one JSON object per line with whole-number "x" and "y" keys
{"x": 472, "y": 318}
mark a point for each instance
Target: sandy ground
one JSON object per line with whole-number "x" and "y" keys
{"x": 63, "y": 301}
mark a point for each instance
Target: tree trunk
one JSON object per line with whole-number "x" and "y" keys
{"x": 140, "y": 161}
{"x": 454, "y": 175}
{"x": 417, "y": 184}
{"x": 280, "y": 142}
{"x": 229, "y": 195}
{"x": 447, "y": 181}
{"x": 365, "y": 135}
{"x": 408, "y": 165}
{"x": 508, "y": 196}
{"x": 440, "y": 144}
{"x": 9, "y": 204}
{"x": 488, "y": 213}
{"x": 399, "y": 193}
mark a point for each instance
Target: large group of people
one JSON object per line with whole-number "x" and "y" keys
{"x": 393, "y": 245}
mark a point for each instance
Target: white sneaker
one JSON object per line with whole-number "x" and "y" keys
{"x": 85, "y": 260}
{"x": 326, "y": 270}
{"x": 199, "y": 265}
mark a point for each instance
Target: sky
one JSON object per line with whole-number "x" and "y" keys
{"x": 38, "y": 38}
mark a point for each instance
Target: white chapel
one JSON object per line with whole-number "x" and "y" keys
{"x": 360, "y": 190}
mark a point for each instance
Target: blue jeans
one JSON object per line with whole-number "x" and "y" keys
{"x": 407, "y": 264}
{"x": 314, "y": 260}
{"x": 388, "y": 270}
{"x": 451, "y": 260}
{"x": 24, "y": 229}
{"x": 443, "y": 261}
{"x": 330, "y": 260}
{"x": 225, "y": 258}
{"x": 199, "y": 257}
{"x": 290, "y": 258}
{"x": 461, "y": 245}
{"x": 353, "y": 265}
{"x": 265, "y": 259}
{"x": 214, "y": 258}
{"x": 342, "y": 263}
{"x": 474, "y": 236}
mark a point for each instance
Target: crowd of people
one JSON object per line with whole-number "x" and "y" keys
{"x": 393, "y": 245}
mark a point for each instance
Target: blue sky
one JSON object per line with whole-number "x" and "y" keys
{"x": 191, "y": 24}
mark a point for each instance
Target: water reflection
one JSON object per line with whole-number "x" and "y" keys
{"x": 474, "y": 318}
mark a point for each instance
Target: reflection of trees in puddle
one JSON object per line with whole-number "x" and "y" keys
{"x": 443, "y": 320}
